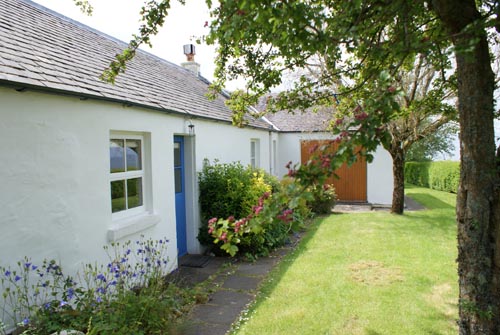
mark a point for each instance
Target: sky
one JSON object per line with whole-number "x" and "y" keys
{"x": 120, "y": 19}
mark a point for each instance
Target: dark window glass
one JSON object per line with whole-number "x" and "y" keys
{"x": 134, "y": 192}
{"x": 118, "y": 196}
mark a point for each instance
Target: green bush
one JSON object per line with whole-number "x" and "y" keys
{"x": 324, "y": 198}
{"x": 442, "y": 176}
{"x": 267, "y": 227}
{"x": 229, "y": 190}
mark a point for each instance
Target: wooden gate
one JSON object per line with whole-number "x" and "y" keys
{"x": 351, "y": 184}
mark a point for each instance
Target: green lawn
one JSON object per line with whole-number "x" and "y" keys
{"x": 366, "y": 273}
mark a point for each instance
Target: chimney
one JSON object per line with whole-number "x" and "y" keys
{"x": 191, "y": 65}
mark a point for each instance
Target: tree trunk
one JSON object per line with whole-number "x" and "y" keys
{"x": 398, "y": 172}
{"x": 478, "y": 208}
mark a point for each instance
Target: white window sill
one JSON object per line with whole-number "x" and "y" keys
{"x": 128, "y": 226}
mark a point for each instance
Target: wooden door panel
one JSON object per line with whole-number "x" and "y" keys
{"x": 351, "y": 184}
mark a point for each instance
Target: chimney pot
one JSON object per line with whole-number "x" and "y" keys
{"x": 189, "y": 51}
{"x": 191, "y": 65}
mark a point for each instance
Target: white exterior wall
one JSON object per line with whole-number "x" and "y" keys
{"x": 56, "y": 182}
{"x": 379, "y": 172}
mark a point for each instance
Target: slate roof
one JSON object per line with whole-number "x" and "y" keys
{"x": 308, "y": 121}
{"x": 42, "y": 49}
{"x": 298, "y": 121}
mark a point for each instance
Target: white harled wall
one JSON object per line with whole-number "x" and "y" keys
{"x": 379, "y": 172}
{"x": 55, "y": 196}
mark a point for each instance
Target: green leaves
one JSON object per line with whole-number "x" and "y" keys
{"x": 85, "y": 6}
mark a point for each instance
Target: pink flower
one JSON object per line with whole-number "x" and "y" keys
{"x": 211, "y": 230}
{"x": 391, "y": 89}
{"x": 361, "y": 116}
{"x": 231, "y": 219}
{"x": 313, "y": 148}
{"x": 257, "y": 209}
{"x": 212, "y": 221}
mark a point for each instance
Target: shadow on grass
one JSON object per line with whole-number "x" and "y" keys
{"x": 430, "y": 201}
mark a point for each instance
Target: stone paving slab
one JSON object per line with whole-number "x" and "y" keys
{"x": 215, "y": 314}
{"x": 201, "y": 328}
{"x": 242, "y": 283}
{"x": 261, "y": 268}
{"x": 230, "y": 298}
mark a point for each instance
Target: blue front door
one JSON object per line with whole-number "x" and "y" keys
{"x": 180, "y": 197}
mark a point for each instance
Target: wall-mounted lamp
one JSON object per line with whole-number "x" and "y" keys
{"x": 191, "y": 129}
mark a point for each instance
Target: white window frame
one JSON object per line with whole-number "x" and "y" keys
{"x": 129, "y": 175}
{"x": 255, "y": 153}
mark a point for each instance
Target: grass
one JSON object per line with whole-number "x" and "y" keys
{"x": 366, "y": 273}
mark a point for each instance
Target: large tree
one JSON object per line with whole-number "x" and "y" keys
{"x": 425, "y": 103}
{"x": 259, "y": 39}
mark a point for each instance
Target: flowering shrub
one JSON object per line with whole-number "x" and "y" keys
{"x": 124, "y": 296}
{"x": 266, "y": 227}
{"x": 229, "y": 190}
{"x": 324, "y": 198}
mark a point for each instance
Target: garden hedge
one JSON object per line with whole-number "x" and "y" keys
{"x": 442, "y": 175}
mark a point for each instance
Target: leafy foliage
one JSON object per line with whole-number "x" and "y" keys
{"x": 229, "y": 189}
{"x": 434, "y": 144}
{"x": 441, "y": 176}
{"x": 267, "y": 227}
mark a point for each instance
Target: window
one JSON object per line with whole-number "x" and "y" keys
{"x": 254, "y": 153}
{"x": 126, "y": 174}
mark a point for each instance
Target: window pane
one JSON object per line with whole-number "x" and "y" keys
{"x": 134, "y": 155}
{"x": 118, "y": 196}
{"x": 178, "y": 180}
{"x": 134, "y": 192}
{"x": 116, "y": 156}
{"x": 177, "y": 154}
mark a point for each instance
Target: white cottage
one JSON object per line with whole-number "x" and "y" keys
{"x": 85, "y": 162}
{"x": 360, "y": 183}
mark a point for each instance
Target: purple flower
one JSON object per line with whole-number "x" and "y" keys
{"x": 128, "y": 252}
{"x": 47, "y": 305}
{"x": 17, "y": 278}
{"x": 62, "y": 303}
{"x": 26, "y": 322}
{"x": 101, "y": 277}
{"x": 7, "y": 273}
{"x": 27, "y": 265}
{"x": 71, "y": 293}
{"x": 99, "y": 300}
{"x": 34, "y": 267}
{"x": 101, "y": 290}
